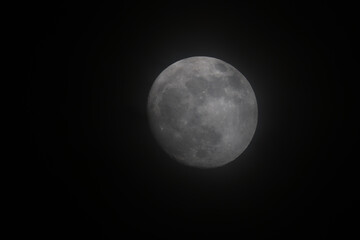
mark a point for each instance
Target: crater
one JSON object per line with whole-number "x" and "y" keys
{"x": 173, "y": 107}
{"x": 165, "y": 80}
{"x": 239, "y": 102}
{"x": 220, "y": 66}
{"x": 201, "y": 153}
{"x": 194, "y": 120}
{"x": 197, "y": 85}
{"x": 209, "y": 135}
{"x": 216, "y": 88}
{"x": 235, "y": 81}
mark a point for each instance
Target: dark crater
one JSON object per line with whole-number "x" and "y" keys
{"x": 217, "y": 88}
{"x": 196, "y": 85}
{"x": 221, "y": 67}
{"x": 235, "y": 81}
{"x": 172, "y": 107}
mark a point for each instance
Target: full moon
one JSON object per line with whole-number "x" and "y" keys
{"x": 202, "y": 112}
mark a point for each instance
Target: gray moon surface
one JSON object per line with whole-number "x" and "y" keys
{"x": 202, "y": 112}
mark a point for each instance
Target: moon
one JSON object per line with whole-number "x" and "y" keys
{"x": 202, "y": 112}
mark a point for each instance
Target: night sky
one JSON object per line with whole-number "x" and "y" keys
{"x": 100, "y": 174}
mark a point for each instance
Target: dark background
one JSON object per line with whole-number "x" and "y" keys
{"x": 99, "y": 173}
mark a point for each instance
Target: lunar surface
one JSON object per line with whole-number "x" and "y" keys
{"x": 202, "y": 112}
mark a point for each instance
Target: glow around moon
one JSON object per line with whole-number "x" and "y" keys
{"x": 202, "y": 112}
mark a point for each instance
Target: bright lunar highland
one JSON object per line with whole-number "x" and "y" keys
{"x": 202, "y": 111}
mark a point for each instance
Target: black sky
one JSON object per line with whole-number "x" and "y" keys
{"x": 99, "y": 173}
